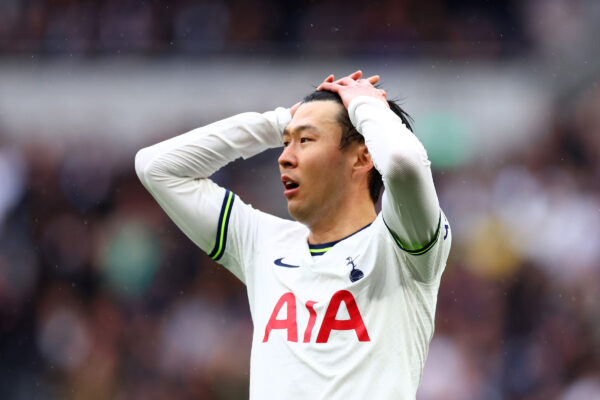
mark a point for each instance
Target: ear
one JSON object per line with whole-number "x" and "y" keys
{"x": 362, "y": 162}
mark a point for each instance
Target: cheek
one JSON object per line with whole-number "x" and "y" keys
{"x": 330, "y": 169}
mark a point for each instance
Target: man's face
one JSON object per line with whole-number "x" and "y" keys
{"x": 314, "y": 171}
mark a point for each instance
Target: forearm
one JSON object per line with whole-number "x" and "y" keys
{"x": 410, "y": 205}
{"x": 175, "y": 171}
{"x": 201, "y": 152}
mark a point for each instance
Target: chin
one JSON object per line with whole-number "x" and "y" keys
{"x": 297, "y": 212}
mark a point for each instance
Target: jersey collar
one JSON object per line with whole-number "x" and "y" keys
{"x": 320, "y": 249}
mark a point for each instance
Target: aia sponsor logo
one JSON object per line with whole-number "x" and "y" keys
{"x": 329, "y": 323}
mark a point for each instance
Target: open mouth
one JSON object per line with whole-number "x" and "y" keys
{"x": 289, "y": 185}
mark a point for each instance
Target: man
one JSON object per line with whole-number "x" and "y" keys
{"x": 342, "y": 301}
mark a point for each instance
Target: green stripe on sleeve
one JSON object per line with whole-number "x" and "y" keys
{"x": 221, "y": 240}
{"x": 425, "y": 248}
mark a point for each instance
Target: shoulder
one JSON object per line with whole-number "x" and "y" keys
{"x": 243, "y": 232}
{"x": 266, "y": 225}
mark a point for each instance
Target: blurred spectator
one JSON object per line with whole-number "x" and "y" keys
{"x": 136, "y": 26}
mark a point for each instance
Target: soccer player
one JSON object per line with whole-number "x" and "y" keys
{"x": 342, "y": 299}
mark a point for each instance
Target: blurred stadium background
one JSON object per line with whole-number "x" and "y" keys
{"x": 101, "y": 297}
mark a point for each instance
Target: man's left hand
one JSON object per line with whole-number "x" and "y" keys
{"x": 352, "y": 86}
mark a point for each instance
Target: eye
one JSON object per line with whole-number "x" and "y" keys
{"x": 304, "y": 140}
{"x": 285, "y": 144}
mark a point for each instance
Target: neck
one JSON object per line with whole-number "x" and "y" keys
{"x": 341, "y": 222}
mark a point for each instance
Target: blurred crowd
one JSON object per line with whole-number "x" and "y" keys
{"x": 339, "y": 27}
{"x": 518, "y": 314}
{"x": 102, "y": 297}
{"x": 496, "y": 30}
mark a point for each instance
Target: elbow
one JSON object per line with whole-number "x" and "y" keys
{"x": 408, "y": 165}
{"x": 142, "y": 160}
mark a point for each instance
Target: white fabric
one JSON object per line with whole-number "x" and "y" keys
{"x": 409, "y": 203}
{"x": 395, "y": 298}
{"x": 175, "y": 171}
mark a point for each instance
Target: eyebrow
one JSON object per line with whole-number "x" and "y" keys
{"x": 300, "y": 129}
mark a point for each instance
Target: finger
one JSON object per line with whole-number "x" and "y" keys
{"x": 383, "y": 92}
{"x": 295, "y": 107}
{"x": 325, "y": 86}
{"x": 355, "y": 75}
{"x": 352, "y": 77}
{"x": 364, "y": 82}
{"x": 373, "y": 79}
{"x": 345, "y": 81}
{"x": 330, "y": 78}
{"x": 330, "y": 86}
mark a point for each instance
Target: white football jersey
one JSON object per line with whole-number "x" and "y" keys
{"x": 342, "y": 320}
{"x": 345, "y": 320}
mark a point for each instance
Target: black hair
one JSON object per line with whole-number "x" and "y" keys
{"x": 351, "y": 135}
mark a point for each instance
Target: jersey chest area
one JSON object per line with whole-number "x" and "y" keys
{"x": 297, "y": 297}
{"x": 290, "y": 266}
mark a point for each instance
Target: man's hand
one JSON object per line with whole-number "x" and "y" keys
{"x": 352, "y": 86}
{"x": 295, "y": 107}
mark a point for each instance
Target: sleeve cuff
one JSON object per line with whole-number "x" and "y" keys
{"x": 283, "y": 118}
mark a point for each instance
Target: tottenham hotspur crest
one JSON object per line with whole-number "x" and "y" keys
{"x": 356, "y": 273}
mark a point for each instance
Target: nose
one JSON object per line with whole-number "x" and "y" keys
{"x": 287, "y": 159}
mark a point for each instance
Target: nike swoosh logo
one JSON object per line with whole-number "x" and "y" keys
{"x": 282, "y": 264}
